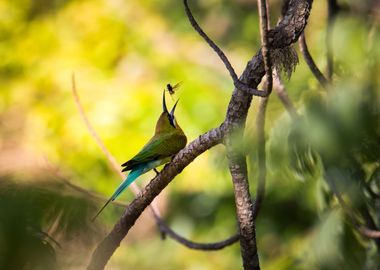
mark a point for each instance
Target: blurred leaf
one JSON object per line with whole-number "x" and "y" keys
{"x": 36, "y": 219}
{"x": 302, "y": 157}
{"x": 334, "y": 246}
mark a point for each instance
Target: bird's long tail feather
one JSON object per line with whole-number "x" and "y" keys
{"x": 127, "y": 181}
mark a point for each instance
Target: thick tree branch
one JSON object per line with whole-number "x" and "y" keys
{"x": 287, "y": 32}
{"x": 238, "y": 169}
{"x": 283, "y": 35}
{"x": 107, "y": 247}
{"x": 163, "y": 226}
{"x": 291, "y": 25}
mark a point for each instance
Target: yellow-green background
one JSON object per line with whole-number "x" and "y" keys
{"x": 123, "y": 53}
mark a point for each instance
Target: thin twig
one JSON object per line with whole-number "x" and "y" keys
{"x": 261, "y": 114}
{"x": 200, "y": 246}
{"x": 90, "y": 193}
{"x": 260, "y": 127}
{"x": 55, "y": 171}
{"x": 164, "y": 228}
{"x": 264, "y": 27}
{"x": 114, "y": 165}
{"x": 332, "y": 11}
{"x": 310, "y": 61}
{"x": 282, "y": 94}
{"x": 237, "y": 83}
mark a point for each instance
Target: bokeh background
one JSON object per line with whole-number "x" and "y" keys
{"x": 123, "y": 53}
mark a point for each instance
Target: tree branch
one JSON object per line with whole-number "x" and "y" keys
{"x": 110, "y": 158}
{"x": 260, "y": 127}
{"x": 332, "y": 11}
{"x": 264, "y": 27}
{"x": 261, "y": 114}
{"x": 164, "y": 228}
{"x": 238, "y": 169}
{"x": 237, "y": 83}
{"x": 114, "y": 165}
{"x": 107, "y": 247}
{"x": 283, "y": 35}
{"x": 200, "y": 246}
{"x": 282, "y": 94}
{"x": 310, "y": 62}
{"x": 287, "y": 32}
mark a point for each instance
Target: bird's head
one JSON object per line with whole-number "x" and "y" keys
{"x": 167, "y": 121}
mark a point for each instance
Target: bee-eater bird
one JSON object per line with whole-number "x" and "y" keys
{"x": 167, "y": 141}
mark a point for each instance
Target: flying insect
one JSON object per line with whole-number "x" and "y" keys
{"x": 172, "y": 88}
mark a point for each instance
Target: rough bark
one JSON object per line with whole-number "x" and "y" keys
{"x": 112, "y": 241}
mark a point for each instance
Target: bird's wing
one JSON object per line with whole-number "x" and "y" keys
{"x": 157, "y": 148}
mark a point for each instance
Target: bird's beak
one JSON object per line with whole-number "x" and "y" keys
{"x": 164, "y": 103}
{"x": 172, "y": 111}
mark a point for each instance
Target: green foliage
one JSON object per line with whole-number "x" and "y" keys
{"x": 37, "y": 219}
{"x": 338, "y": 138}
{"x": 123, "y": 54}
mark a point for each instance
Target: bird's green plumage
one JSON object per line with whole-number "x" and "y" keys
{"x": 158, "y": 147}
{"x": 167, "y": 141}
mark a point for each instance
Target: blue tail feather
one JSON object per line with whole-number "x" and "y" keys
{"x": 127, "y": 181}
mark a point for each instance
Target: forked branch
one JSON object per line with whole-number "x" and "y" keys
{"x": 237, "y": 83}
